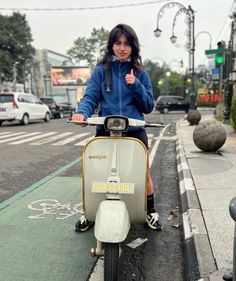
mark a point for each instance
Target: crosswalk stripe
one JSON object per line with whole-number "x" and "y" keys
{"x": 24, "y": 137}
{"x": 83, "y": 142}
{"x": 75, "y": 137}
{"x": 20, "y": 137}
{"x": 4, "y": 133}
{"x": 33, "y": 138}
{"x": 51, "y": 139}
{"x": 11, "y": 135}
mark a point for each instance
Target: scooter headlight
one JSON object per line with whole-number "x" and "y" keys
{"x": 116, "y": 123}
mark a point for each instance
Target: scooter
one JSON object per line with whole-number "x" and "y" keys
{"x": 114, "y": 186}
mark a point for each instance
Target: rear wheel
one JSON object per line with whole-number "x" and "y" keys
{"x": 111, "y": 261}
{"x": 25, "y": 119}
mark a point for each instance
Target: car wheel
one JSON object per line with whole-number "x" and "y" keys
{"x": 47, "y": 117}
{"x": 25, "y": 119}
{"x": 165, "y": 110}
{"x": 1, "y": 123}
{"x": 61, "y": 114}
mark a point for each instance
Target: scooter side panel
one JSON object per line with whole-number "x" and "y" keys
{"x": 132, "y": 162}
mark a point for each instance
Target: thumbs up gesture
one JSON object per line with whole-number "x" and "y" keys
{"x": 130, "y": 78}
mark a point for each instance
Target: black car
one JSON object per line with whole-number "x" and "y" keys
{"x": 59, "y": 107}
{"x": 164, "y": 104}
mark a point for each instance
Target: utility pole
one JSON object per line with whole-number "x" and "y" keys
{"x": 229, "y": 68}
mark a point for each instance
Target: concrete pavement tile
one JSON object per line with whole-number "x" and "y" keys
{"x": 220, "y": 229}
{"x": 216, "y": 200}
{"x": 209, "y": 166}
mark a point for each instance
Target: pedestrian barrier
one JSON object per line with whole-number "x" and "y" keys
{"x": 232, "y": 210}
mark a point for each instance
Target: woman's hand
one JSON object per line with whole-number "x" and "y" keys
{"x": 78, "y": 117}
{"x": 130, "y": 78}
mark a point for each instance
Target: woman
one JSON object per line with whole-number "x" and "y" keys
{"x": 120, "y": 87}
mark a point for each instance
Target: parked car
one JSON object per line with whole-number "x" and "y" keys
{"x": 22, "y": 107}
{"x": 59, "y": 107}
{"x": 164, "y": 104}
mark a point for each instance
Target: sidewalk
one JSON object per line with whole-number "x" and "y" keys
{"x": 207, "y": 185}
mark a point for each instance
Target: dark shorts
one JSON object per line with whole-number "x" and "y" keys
{"x": 141, "y": 135}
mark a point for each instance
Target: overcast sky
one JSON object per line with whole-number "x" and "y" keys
{"x": 57, "y": 30}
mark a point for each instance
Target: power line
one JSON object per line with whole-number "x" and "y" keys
{"x": 227, "y": 18}
{"x": 83, "y": 8}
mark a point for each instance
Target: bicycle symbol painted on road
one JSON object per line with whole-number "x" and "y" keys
{"x": 53, "y": 207}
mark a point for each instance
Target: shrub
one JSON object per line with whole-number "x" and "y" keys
{"x": 233, "y": 113}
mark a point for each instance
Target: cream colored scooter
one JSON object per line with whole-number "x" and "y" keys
{"x": 114, "y": 186}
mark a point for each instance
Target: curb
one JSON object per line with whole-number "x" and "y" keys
{"x": 199, "y": 260}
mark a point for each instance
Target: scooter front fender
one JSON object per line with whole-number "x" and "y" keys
{"x": 112, "y": 221}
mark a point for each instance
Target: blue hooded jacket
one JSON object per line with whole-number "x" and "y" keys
{"x": 133, "y": 100}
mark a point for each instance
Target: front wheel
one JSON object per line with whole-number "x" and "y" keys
{"x": 165, "y": 110}
{"x": 25, "y": 119}
{"x": 47, "y": 117}
{"x": 111, "y": 261}
{"x": 61, "y": 114}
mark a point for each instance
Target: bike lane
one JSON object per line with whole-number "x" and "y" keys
{"x": 37, "y": 237}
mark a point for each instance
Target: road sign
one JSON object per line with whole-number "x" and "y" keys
{"x": 218, "y": 51}
{"x": 215, "y": 73}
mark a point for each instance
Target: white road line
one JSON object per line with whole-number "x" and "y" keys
{"x": 155, "y": 146}
{"x": 150, "y": 139}
{"x": 75, "y": 137}
{"x": 51, "y": 139}
{"x": 33, "y": 138}
{"x": 12, "y": 134}
{"x": 20, "y": 137}
{"x": 83, "y": 142}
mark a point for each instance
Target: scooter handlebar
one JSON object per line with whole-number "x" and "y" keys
{"x": 156, "y": 125}
{"x": 94, "y": 121}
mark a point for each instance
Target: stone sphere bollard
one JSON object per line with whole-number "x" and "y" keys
{"x": 193, "y": 117}
{"x": 209, "y": 136}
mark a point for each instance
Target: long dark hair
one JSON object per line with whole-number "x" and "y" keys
{"x": 116, "y": 32}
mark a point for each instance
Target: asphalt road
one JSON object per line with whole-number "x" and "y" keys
{"x": 27, "y": 159}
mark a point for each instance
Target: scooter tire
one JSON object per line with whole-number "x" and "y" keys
{"x": 111, "y": 261}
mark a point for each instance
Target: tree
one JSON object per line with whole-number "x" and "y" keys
{"x": 159, "y": 79}
{"x": 16, "y": 51}
{"x": 90, "y": 49}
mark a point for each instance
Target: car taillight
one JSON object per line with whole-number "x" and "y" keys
{"x": 14, "y": 104}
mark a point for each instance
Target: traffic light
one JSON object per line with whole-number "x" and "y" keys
{"x": 219, "y": 57}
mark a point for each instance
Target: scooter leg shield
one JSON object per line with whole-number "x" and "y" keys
{"x": 112, "y": 221}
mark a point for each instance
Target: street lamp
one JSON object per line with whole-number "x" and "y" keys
{"x": 205, "y": 32}
{"x": 191, "y": 24}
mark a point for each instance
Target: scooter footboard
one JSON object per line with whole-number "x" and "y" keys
{"x": 112, "y": 221}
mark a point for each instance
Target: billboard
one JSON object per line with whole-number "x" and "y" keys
{"x": 70, "y": 75}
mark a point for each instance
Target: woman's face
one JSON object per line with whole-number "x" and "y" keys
{"x": 122, "y": 48}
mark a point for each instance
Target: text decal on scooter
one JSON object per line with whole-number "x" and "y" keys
{"x": 113, "y": 187}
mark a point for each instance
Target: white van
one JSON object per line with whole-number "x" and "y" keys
{"x": 22, "y": 107}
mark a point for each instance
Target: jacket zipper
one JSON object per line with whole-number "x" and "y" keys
{"x": 120, "y": 87}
